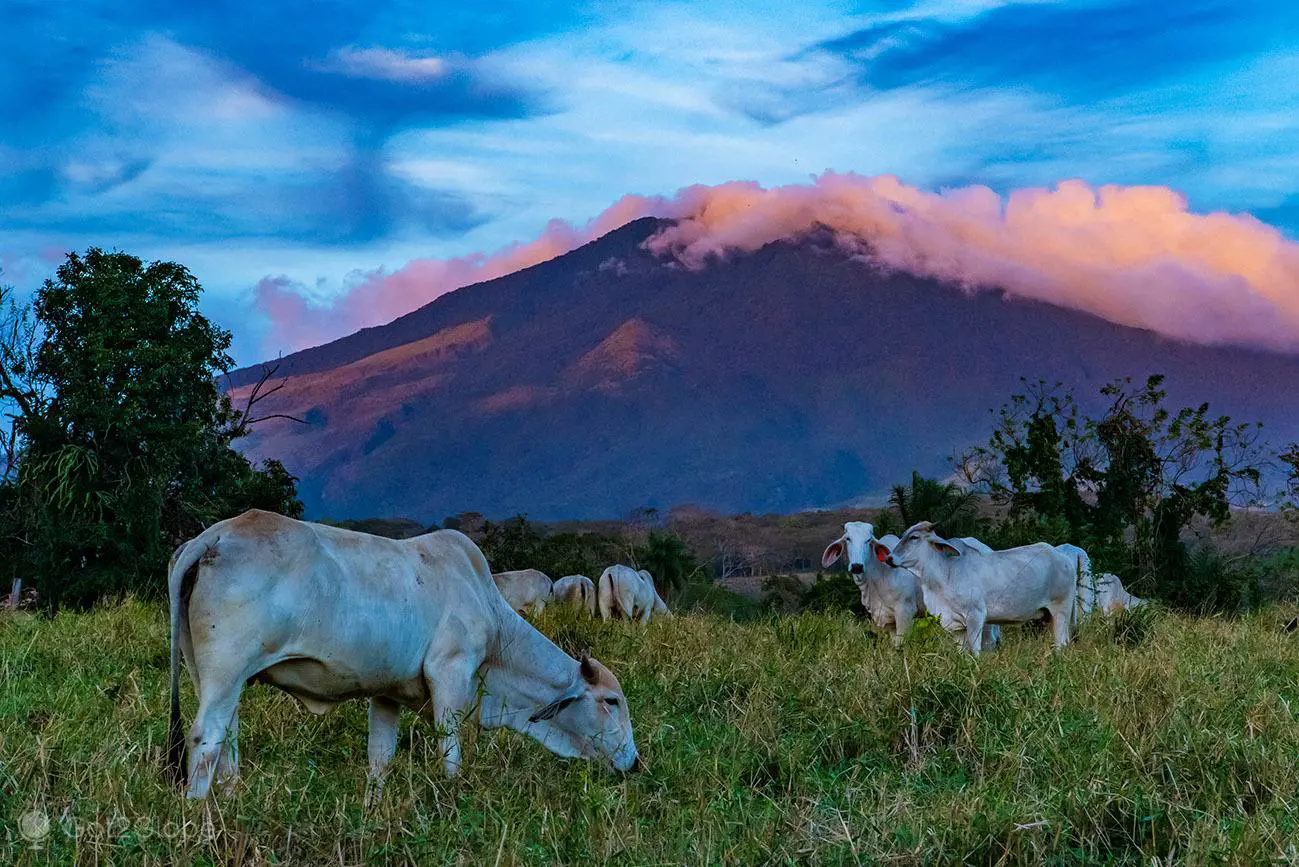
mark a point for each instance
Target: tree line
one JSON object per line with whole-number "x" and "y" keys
{"x": 117, "y": 442}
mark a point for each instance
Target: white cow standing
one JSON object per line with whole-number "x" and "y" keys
{"x": 577, "y": 591}
{"x": 969, "y": 589}
{"x": 527, "y": 590}
{"x": 629, "y": 593}
{"x": 893, "y": 597}
{"x": 328, "y": 615}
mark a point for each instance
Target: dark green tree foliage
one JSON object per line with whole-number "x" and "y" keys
{"x": 1290, "y": 458}
{"x": 1124, "y": 485}
{"x": 130, "y": 450}
{"x": 668, "y": 560}
{"x": 955, "y": 510}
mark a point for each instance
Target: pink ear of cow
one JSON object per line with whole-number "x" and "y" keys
{"x": 881, "y": 553}
{"x": 832, "y": 553}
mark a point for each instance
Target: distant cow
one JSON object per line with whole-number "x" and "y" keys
{"x": 628, "y": 593}
{"x": 328, "y": 614}
{"x": 892, "y": 596}
{"x": 1104, "y": 592}
{"x": 969, "y": 589}
{"x": 577, "y": 591}
{"x": 527, "y": 590}
{"x": 1112, "y": 597}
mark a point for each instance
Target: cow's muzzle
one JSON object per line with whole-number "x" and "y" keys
{"x": 636, "y": 766}
{"x": 856, "y": 568}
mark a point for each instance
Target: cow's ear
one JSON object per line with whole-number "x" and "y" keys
{"x": 549, "y": 711}
{"x": 879, "y": 550}
{"x": 589, "y": 674}
{"x": 945, "y": 548}
{"x": 832, "y": 553}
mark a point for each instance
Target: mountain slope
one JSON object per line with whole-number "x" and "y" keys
{"x": 792, "y": 377}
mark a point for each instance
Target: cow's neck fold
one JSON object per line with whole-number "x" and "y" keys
{"x": 528, "y": 671}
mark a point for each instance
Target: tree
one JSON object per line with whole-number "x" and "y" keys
{"x": 123, "y": 435}
{"x": 668, "y": 559}
{"x": 955, "y": 510}
{"x": 1290, "y": 457}
{"x": 511, "y": 544}
{"x": 1125, "y": 485}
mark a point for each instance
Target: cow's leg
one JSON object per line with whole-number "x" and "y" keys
{"x": 974, "y": 622}
{"x": 218, "y": 704}
{"x": 645, "y": 614}
{"x": 952, "y": 626}
{"x": 991, "y": 636}
{"x": 1060, "y": 618}
{"x": 606, "y": 603}
{"x": 451, "y": 683}
{"x": 539, "y": 607}
{"x": 227, "y": 769}
{"x": 902, "y": 624}
{"x": 384, "y": 716}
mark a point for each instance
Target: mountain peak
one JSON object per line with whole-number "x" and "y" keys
{"x": 794, "y": 376}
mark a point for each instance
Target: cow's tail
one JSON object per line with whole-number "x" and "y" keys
{"x": 183, "y": 560}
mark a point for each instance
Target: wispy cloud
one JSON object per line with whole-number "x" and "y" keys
{"x": 385, "y": 64}
{"x": 1133, "y": 255}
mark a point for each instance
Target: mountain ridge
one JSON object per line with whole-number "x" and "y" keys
{"x": 795, "y": 376}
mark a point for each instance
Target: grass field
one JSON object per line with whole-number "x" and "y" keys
{"x": 780, "y": 740}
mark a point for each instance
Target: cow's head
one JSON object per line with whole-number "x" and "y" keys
{"x": 920, "y": 544}
{"x": 589, "y": 721}
{"x": 858, "y": 543}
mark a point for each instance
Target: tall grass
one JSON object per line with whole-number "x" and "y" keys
{"x": 777, "y": 740}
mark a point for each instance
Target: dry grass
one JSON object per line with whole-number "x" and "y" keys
{"x": 786, "y": 740}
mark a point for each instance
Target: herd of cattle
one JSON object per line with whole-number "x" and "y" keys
{"x": 971, "y": 588}
{"x": 621, "y": 592}
{"x": 327, "y": 615}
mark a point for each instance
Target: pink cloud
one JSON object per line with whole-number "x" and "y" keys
{"x": 1133, "y": 255}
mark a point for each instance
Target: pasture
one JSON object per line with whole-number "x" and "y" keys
{"x": 780, "y": 739}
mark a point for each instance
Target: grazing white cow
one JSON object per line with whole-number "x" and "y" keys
{"x": 626, "y": 592}
{"x": 969, "y": 589}
{"x": 527, "y": 590}
{"x": 577, "y": 591}
{"x": 892, "y": 596}
{"x": 1104, "y": 593}
{"x": 1111, "y": 596}
{"x": 328, "y": 615}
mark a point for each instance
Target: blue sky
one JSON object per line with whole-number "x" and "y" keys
{"x": 316, "y": 141}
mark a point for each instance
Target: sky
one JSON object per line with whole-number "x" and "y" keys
{"x": 326, "y": 165}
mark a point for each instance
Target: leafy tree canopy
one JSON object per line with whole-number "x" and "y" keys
{"x": 121, "y": 434}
